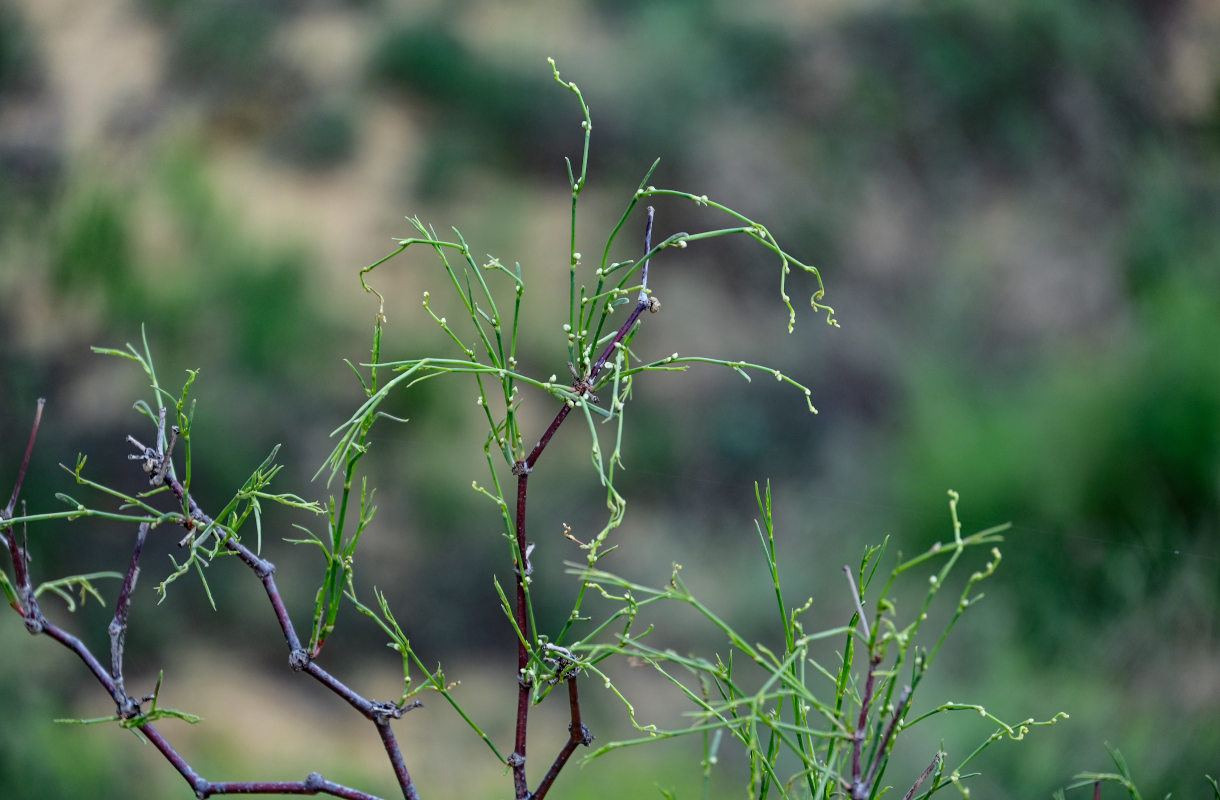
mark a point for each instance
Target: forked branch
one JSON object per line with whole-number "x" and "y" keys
{"x": 130, "y": 710}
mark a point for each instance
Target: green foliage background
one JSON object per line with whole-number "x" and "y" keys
{"x": 1014, "y": 206}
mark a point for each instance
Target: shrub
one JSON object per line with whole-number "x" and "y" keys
{"x": 810, "y": 722}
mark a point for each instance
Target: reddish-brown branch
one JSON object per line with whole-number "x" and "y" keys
{"x": 7, "y": 513}
{"x": 203, "y": 788}
{"x": 524, "y": 686}
{"x": 857, "y": 740}
{"x": 379, "y": 713}
{"x": 25, "y": 604}
{"x": 298, "y": 657}
{"x": 879, "y": 755}
{"x": 395, "y": 755}
{"x": 578, "y": 735}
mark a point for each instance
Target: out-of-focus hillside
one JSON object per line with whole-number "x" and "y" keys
{"x": 1014, "y": 207}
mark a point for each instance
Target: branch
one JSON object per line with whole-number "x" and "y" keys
{"x": 299, "y": 659}
{"x": 579, "y": 734}
{"x": 859, "y": 788}
{"x": 25, "y": 602}
{"x": 7, "y": 513}
{"x": 517, "y": 759}
{"x": 522, "y": 469}
{"x": 157, "y": 465}
{"x": 879, "y": 755}
{"x": 855, "y": 595}
{"x": 127, "y": 706}
{"x": 923, "y": 776}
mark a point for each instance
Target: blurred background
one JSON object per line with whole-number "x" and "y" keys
{"x": 1014, "y": 207}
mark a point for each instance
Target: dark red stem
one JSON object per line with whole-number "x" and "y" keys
{"x": 7, "y": 513}
{"x": 517, "y": 760}
{"x": 578, "y": 735}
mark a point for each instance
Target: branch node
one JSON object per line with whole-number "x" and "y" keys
{"x": 129, "y": 708}
{"x": 515, "y": 759}
{"x": 521, "y": 468}
{"x": 582, "y": 384}
{"x": 382, "y": 713}
{"x": 586, "y": 736}
{"x": 298, "y": 659}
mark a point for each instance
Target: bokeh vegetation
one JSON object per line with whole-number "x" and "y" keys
{"x": 1014, "y": 205}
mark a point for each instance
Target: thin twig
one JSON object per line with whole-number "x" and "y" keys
{"x": 394, "y": 752}
{"x": 879, "y": 755}
{"x": 522, "y": 469}
{"x": 855, "y": 595}
{"x": 128, "y": 707}
{"x": 923, "y": 776}
{"x": 26, "y": 604}
{"x": 524, "y": 688}
{"x": 379, "y": 713}
{"x": 647, "y": 248}
{"x": 7, "y": 513}
{"x": 578, "y": 734}
{"x": 857, "y": 739}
